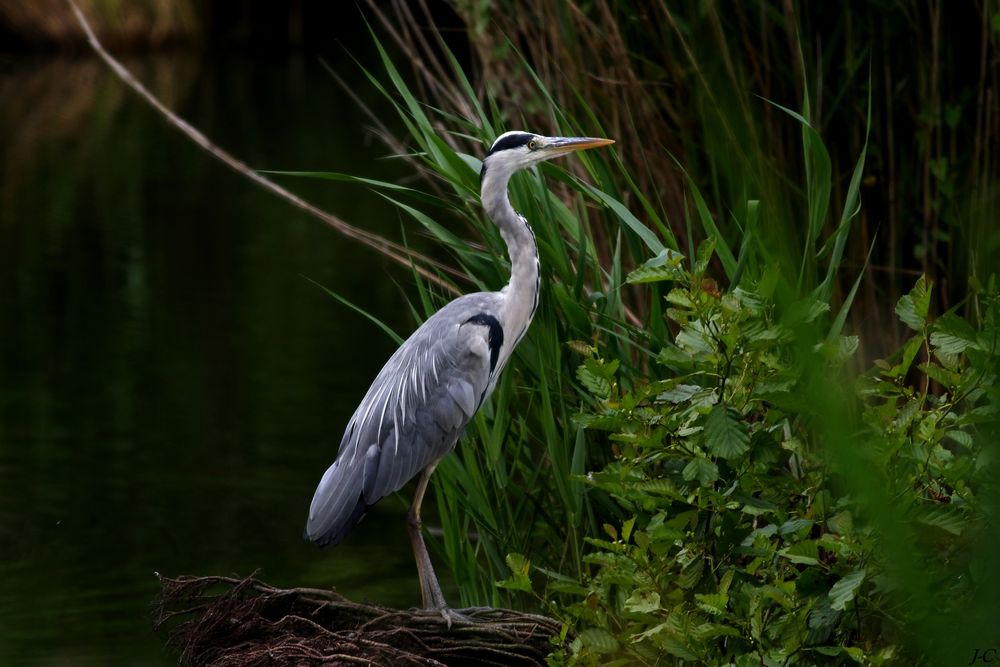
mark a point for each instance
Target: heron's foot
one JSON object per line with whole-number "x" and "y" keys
{"x": 451, "y": 616}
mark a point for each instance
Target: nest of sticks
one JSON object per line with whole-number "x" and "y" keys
{"x": 245, "y": 622}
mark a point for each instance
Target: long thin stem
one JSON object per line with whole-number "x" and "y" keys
{"x": 390, "y": 249}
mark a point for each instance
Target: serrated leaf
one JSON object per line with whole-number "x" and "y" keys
{"x": 518, "y": 579}
{"x": 598, "y": 640}
{"x": 803, "y": 553}
{"x": 946, "y": 517}
{"x": 794, "y": 525}
{"x": 707, "y": 631}
{"x": 691, "y": 573}
{"x": 672, "y": 638}
{"x": 658, "y": 487}
{"x": 679, "y": 394}
{"x": 601, "y": 368}
{"x": 843, "y": 591}
{"x": 595, "y": 384}
{"x": 724, "y": 435}
{"x": 679, "y": 297}
{"x": 701, "y": 469}
{"x": 961, "y": 437}
{"x": 822, "y": 619}
{"x": 939, "y": 374}
{"x": 841, "y": 523}
{"x": 693, "y": 339}
{"x": 712, "y": 603}
{"x": 947, "y": 343}
{"x": 652, "y": 274}
{"x": 952, "y": 334}
{"x": 756, "y": 506}
{"x": 643, "y": 602}
{"x": 671, "y": 355}
{"x": 912, "y": 308}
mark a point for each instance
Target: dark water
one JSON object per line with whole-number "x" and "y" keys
{"x": 171, "y": 385}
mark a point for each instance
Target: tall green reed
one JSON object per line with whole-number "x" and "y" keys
{"x": 517, "y": 485}
{"x": 673, "y": 81}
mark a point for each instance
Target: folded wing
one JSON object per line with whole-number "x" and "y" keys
{"x": 412, "y": 416}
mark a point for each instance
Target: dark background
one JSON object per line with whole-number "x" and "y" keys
{"x": 172, "y": 385}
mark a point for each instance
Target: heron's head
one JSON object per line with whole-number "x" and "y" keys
{"x": 517, "y": 150}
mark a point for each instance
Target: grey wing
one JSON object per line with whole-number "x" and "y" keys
{"x": 412, "y": 416}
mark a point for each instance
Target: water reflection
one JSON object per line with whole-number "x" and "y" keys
{"x": 171, "y": 387}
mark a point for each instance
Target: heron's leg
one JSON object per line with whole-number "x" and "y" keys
{"x": 430, "y": 589}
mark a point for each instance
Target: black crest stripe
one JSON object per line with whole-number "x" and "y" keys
{"x": 495, "y": 337}
{"x": 510, "y": 141}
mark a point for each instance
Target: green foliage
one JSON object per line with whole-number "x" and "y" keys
{"x": 737, "y": 538}
{"x": 679, "y": 468}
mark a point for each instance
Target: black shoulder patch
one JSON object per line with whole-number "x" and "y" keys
{"x": 495, "y": 338}
{"x": 510, "y": 141}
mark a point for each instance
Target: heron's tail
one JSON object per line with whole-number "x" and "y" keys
{"x": 337, "y": 505}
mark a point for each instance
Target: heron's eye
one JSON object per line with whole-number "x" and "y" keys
{"x": 532, "y": 145}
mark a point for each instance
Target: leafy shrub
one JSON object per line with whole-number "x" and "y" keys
{"x": 737, "y": 539}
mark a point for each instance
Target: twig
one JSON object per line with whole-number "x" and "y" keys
{"x": 390, "y": 249}
{"x": 247, "y": 623}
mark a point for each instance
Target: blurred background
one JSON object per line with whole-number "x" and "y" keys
{"x": 172, "y": 385}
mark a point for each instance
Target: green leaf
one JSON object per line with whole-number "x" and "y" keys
{"x": 961, "y": 437}
{"x": 653, "y": 274}
{"x": 843, "y": 591}
{"x": 701, "y": 469}
{"x": 794, "y": 525}
{"x": 665, "y": 266}
{"x": 822, "y": 620}
{"x": 679, "y": 394}
{"x": 643, "y": 602}
{"x": 952, "y": 334}
{"x": 598, "y": 640}
{"x": 630, "y": 221}
{"x": 724, "y": 435}
{"x": 707, "y": 631}
{"x": 910, "y": 350}
{"x": 947, "y": 517}
{"x": 595, "y": 384}
{"x": 627, "y": 527}
{"x": 518, "y": 579}
{"x": 852, "y": 206}
{"x": 912, "y": 308}
{"x": 705, "y": 251}
{"x": 804, "y": 553}
{"x": 711, "y": 230}
{"x": 756, "y": 506}
{"x": 712, "y": 603}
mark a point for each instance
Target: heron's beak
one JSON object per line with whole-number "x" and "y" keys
{"x": 563, "y": 145}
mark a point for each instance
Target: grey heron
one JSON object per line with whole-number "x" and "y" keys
{"x": 420, "y": 403}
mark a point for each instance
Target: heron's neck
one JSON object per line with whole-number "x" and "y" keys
{"x": 521, "y": 292}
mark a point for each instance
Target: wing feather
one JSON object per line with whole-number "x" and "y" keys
{"x": 412, "y": 416}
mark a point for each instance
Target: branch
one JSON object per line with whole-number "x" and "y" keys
{"x": 390, "y": 249}
{"x": 245, "y": 623}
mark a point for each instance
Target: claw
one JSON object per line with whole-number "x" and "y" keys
{"x": 451, "y": 616}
